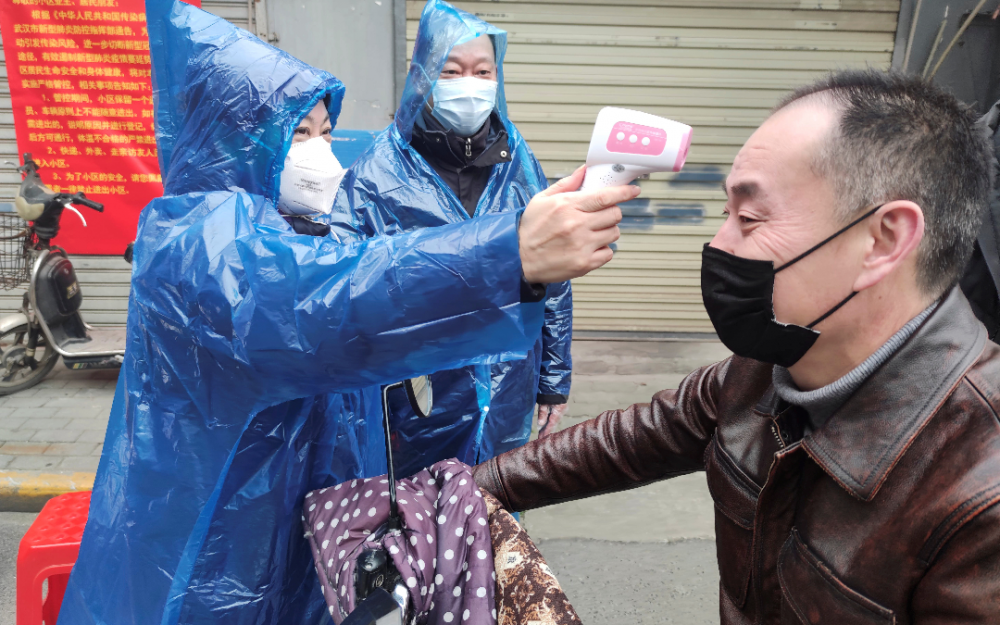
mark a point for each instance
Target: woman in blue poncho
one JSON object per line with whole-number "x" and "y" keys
{"x": 246, "y": 340}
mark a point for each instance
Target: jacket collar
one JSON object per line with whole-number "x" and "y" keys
{"x": 488, "y": 147}
{"x": 862, "y": 441}
{"x": 302, "y": 224}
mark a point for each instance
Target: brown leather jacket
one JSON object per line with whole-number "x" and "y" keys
{"x": 889, "y": 513}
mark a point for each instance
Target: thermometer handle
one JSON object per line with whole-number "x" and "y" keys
{"x": 600, "y": 176}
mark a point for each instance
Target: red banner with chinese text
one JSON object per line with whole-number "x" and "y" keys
{"x": 79, "y": 76}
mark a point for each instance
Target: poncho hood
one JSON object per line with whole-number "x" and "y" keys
{"x": 442, "y": 27}
{"x": 226, "y": 102}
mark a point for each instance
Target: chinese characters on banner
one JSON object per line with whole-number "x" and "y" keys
{"x": 79, "y": 78}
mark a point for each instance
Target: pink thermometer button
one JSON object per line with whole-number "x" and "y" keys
{"x": 629, "y": 138}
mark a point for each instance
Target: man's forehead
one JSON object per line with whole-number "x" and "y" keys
{"x": 480, "y": 48}
{"x": 785, "y": 145}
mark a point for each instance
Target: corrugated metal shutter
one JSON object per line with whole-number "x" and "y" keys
{"x": 104, "y": 280}
{"x": 718, "y": 65}
{"x": 234, "y": 11}
{"x": 9, "y": 178}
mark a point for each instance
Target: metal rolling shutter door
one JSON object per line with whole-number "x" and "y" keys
{"x": 9, "y": 179}
{"x": 233, "y": 11}
{"x": 718, "y": 65}
{"x": 103, "y": 279}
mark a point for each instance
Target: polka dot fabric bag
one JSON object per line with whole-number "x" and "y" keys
{"x": 444, "y": 552}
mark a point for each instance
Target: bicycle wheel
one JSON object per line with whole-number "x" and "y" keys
{"x": 17, "y": 372}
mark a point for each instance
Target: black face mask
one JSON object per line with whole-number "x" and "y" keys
{"x": 738, "y": 294}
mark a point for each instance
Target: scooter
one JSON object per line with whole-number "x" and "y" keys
{"x": 49, "y": 324}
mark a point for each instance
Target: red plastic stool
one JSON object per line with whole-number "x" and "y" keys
{"x": 48, "y": 552}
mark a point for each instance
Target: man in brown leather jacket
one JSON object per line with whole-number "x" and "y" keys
{"x": 851, "y": 444}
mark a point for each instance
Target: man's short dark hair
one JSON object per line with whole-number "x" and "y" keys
{"x": 902, "y": 138}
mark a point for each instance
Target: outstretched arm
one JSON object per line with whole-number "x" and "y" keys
{"x": 619, "y": 450}
{"x": 310, "y": 314}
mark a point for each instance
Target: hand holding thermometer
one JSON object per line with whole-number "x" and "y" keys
{"x": 627, "y": 144}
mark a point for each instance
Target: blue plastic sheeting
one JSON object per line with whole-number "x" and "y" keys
{"x": 479, "y": 411}
{"x": 349, "y": 145}
{"x": 245, "y": 341}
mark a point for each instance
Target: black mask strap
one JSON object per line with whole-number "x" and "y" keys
{"x": 824, "y": 242}
{"x": 832, "y": 310}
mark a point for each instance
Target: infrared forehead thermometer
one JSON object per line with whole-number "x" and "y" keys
{"x": 627, "y": 144}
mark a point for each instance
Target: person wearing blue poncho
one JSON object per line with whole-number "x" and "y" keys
{"x": 247, "y": 340}
{"x": 452, "y": 156}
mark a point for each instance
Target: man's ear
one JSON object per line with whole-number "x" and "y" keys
{"x": 894, "y": 233}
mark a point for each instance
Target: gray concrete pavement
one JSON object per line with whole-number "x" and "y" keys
{"x": 637, "y": 583}
{"x": 642, "y": 556}
{"x": 57, "y": 426}
{"x": 677, "y": 509}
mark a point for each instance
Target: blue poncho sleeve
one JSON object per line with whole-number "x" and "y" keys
{"x": 312, "y": 314}
{"x": 555, "y": 374}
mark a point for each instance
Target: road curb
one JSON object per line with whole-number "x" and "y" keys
{"x": 27, "y": 491}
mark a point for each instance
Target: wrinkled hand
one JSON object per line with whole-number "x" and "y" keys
{"x": 548, "y": 418}
{"x": 565, "y": 233}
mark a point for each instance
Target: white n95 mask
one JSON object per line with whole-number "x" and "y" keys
{"x": 310, "y": 178}
{"x": 464, "y": 104}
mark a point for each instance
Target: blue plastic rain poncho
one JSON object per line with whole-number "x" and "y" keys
{"x": 479, "y": 411}
{"x": 245, "y": 340}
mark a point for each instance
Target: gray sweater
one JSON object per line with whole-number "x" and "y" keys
{"x": 824, "y": 401}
